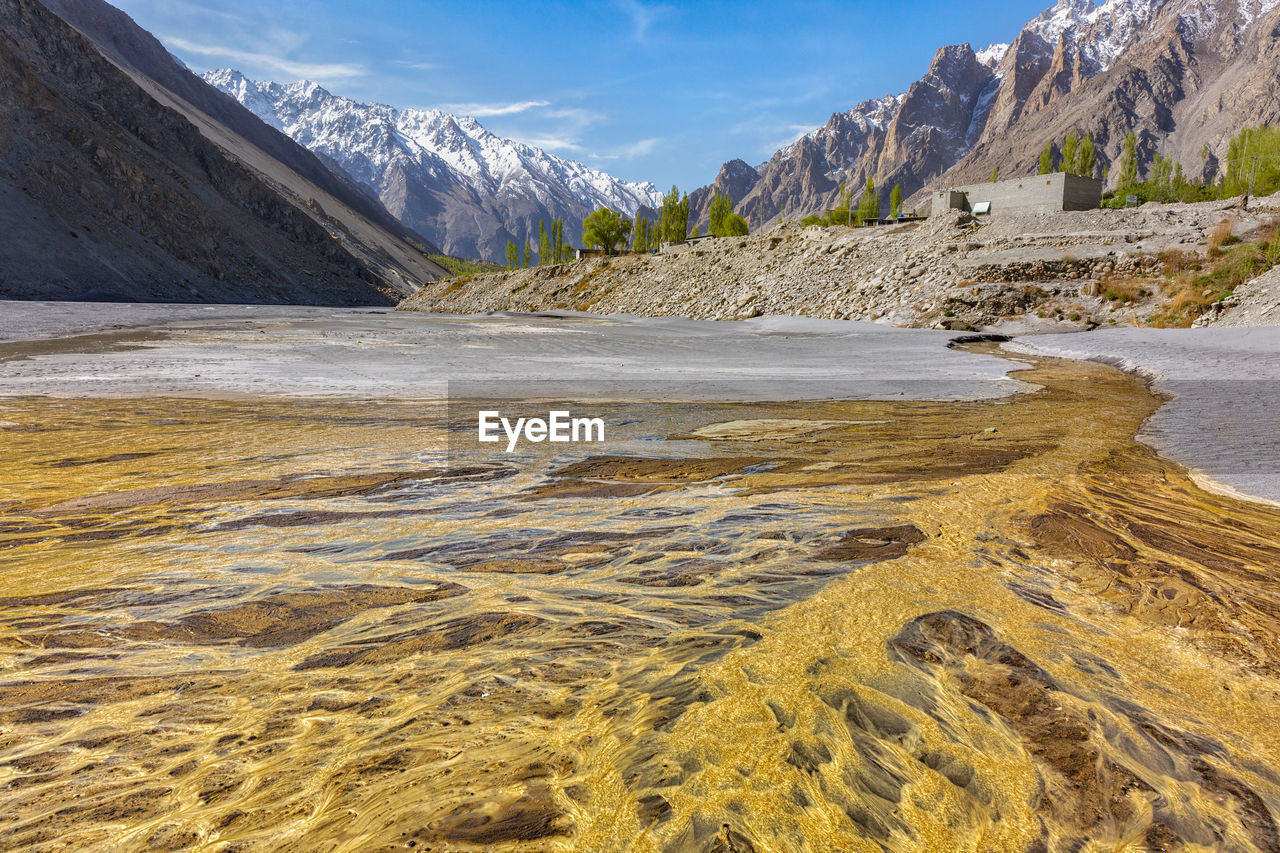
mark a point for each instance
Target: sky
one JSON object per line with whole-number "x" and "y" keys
{"x": 649, "y": 91}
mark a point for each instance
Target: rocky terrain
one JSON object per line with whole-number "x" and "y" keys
{"x": 446, "y": 176}
{"x": 1035, "y": 272}
{"x": 1257, "y": 303}
{"x": 1184, "y": 75}
{"x": 112, "y": 187}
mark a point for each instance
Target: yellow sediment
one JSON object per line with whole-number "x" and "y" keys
{"x": 677, "y": 669}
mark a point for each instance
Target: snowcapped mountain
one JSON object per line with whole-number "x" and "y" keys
{"x": 1184, "y": 75}
{"x": 445, "y": 176}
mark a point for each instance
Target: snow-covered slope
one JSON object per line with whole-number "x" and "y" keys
{"x": 443, "y": 175}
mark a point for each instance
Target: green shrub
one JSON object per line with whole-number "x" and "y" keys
{"x": 463, "y": 266}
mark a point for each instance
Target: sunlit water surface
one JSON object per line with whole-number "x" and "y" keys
{"x": 986, "y": 626}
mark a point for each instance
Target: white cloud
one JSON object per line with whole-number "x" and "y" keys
{"x": 417, "y": 66}
{"x": 553, "y": 143}
{"x": 576, "y": 116}
{"x": 643, "y": 16}
{"x": 639, "y": 148}
{"x": 310, "y": 71}
{"x": 489, "y": 110}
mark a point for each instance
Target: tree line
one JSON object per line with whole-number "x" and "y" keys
{"x": 552, "y": 248}
{"x": 868, "y": 206}
{"x": 608, "y": 230}
{"x": 1253, "y": 155}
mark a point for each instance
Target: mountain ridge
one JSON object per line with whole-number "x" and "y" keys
{"x": 111, "y": 193}
{"x": 446, "y": 176}
{"x": 1184, "y": 75}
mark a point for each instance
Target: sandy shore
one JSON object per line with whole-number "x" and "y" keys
{"x": 1223, "y": 418}
{"x": 86, "y": 350}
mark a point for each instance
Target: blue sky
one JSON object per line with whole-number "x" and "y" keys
{"x": 645, "y": 90}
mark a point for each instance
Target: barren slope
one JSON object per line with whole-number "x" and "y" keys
{"x": 1048, "y": 271}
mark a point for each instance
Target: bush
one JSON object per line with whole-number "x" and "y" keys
{"x": 464, "y": 266}
{"x": 734, "y": 225}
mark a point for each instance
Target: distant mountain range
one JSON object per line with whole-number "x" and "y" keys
{"x": 1183, "y": 75}
{"x": 442, "y": 175}
{"x": 123, "y": 176}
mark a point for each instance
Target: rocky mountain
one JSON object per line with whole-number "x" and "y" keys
{"x": 443, "y": 175}
{"x": 348, "y": 211}
{"x": 1184, "y": 75}
{"x": 106, "y": 193}
{"x": 109, "y": 191}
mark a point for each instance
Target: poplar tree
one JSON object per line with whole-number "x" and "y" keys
{"x": 544, "y": 244}
{"x": 1128, "y": 164}
{"x": 895, "y": 201}
{"x": 513, "y": 255}
{"x": 640, "y": 243}
{"x": 869, "y": 206}
{"x": 1087, "y": 160}
{"x": 1071, "y": 153}
{"x": 559, "y": 250}
{"x": 528, "y": 253}
{"x": 721, "y": 207}
{"x": 675, "y": 215}
{"x": 1046, "y": 159}
{"x": 995, "y": 174}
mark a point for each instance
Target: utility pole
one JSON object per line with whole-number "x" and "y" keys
{"x": 1252, "y": 172}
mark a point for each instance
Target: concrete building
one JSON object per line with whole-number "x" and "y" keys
{"x": 1035, "y": 194}
{"x": 676, "y": 245}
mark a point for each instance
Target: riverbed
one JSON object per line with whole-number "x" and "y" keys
{"x": 968, "y": 610}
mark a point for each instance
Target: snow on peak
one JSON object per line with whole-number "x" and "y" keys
{"x": 1065, "y": 17}
{"x": 368, "y": 139}
{"x": 1100, "y": 32}
{"x": 1251, "y": 10}
{"x": 991, "y": 55}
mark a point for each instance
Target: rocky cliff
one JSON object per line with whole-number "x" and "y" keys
{"x": 111, "y": 192}
{"x": 1184, "y": 75}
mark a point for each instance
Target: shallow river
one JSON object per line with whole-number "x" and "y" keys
{"x": 999, "y": 625}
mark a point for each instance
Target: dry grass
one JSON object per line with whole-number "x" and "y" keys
{"x": 1189, "y": 293}
{"x": 1121, "y": 289}
{"x": 1174, "y": 261}
{"x": 1221, "y": 236}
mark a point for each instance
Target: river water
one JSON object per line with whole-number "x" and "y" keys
{"x": 992, "y": 625}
